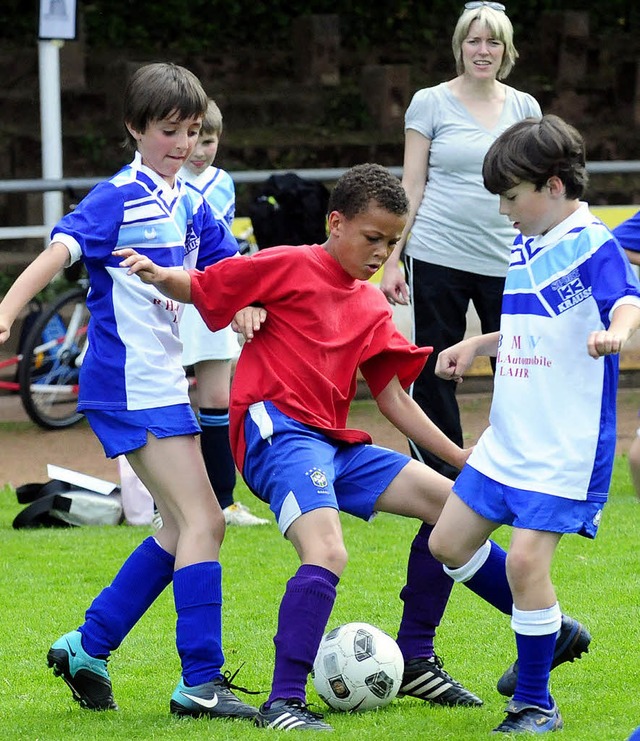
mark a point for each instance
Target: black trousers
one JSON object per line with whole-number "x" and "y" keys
{"x": 440, "y": 299}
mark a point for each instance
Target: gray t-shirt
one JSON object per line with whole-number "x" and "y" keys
{"x": 458, "y": 224}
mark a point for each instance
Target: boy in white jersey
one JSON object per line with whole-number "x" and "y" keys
{"x": 544, "y": 465}
{"x": 211, "y": 353}
{"x": 134, "y": 393}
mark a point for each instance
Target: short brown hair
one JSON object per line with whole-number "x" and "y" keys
{"x": 156, "y": 90}
{"x": 212, "y": 121}
{"x": 532, "y": 151}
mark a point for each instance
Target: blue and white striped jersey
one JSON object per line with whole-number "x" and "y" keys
{"x": 553, "y": 415}
{"x": 218, "y": 189}
{"x": 134, "y": 359}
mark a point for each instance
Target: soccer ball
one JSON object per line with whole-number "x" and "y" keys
{"x": 358, "y": 667}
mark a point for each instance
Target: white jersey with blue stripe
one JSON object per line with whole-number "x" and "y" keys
{"x": 218, "y": 189}
{"x": 553, "y": 416}
{"x": 134, "y": 356}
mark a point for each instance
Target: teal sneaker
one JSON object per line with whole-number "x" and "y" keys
{"x": 522, "y": 717}
{"x": 86, "y": 676}
{"x": 213, "y": 699}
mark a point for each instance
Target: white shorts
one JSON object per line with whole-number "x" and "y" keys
{"x": 200, "y": 343}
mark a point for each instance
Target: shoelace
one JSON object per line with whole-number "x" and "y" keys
{"x": 227, "y": 681}
{"x": 305, "y": 710}
{"x": 440, "y": 664}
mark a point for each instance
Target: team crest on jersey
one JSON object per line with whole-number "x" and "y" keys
{"x": 570, "y": 291}
{"x": 318, "y": 478}
{"x": 192, "y": 240}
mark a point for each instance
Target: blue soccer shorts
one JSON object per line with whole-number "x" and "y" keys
{"x": 529, "y": 510}
{"x": 126, "y": 430}
{"x": 296, "y": 468}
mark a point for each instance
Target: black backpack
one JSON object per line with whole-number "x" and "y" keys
{"x": 289, "y": 209}
{"x": 61, "y": 504}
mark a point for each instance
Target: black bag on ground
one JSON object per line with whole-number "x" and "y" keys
{"x": 289, "y": 210}
{"x": 61, "y": 504}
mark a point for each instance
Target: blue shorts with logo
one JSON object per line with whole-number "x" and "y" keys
{"x": 529, "y": 510}
{"x": 122, "y": 431}
{"x": 296, "y": 468}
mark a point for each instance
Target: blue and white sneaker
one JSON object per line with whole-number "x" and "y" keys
{"x": 522, "y": 717}
{"x": 86, "y": 676}
{"x": 213, "y": 699}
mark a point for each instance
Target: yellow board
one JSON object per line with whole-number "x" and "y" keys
{"x": 614, "y": 215}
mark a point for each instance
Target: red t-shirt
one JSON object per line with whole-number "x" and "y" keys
{"x": 322, "y": 325}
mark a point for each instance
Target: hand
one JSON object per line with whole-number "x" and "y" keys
{"x": 142, "y": 266}
{"x": 5, "y": 329}
{"x": 394, "y": 286}
{"x": 454, "y": 362}
{"x": 248, "y": 321}
{"x": 605, "y": 342}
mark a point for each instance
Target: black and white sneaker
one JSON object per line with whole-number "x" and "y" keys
{"x": 573, "y": 640}
{"x": 427, "y": 680}
{"x": 213, "y": 699}
{"x": 290, "y": 715}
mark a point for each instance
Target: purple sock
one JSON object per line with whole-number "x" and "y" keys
{"x": 425, "y": 597}
{"x": 535, "y": 654}
{"x": 304, "y": 613}
{"x": 197, "y": 592}
{"x": 118, "y": 607}
{"x": 490, "y": 580}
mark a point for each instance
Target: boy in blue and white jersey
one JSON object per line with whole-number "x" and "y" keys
{"x": 544, "y": 465}
{"x": 134, "y": 393}
{"x": 211, "y": 353}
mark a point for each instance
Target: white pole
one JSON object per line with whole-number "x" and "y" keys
{"x": 50, "y": 126}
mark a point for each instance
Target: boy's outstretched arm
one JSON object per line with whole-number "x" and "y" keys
{"x": 405, "y": 414}
{"x": 31, "y": 281}
{"x": 456, "y": 360}
{"x": 624, "y": 322}
{"x": 175, "y": 284}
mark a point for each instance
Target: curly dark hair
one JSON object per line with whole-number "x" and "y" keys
{"x": 364, "y": 183}
{"x": 532, "y": 151}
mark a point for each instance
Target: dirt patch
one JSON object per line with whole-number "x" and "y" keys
{"x": 26, "y": 449}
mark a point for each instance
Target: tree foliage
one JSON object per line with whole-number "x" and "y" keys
{"x": 205, "y": 26}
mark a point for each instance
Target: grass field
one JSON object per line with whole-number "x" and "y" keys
{"x": 49, "y": 577}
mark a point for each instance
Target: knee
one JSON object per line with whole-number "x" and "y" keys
{"x": 440, "y": 548}
{"x": 521, "y": 566}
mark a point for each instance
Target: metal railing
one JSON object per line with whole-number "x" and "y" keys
{"x": 330, "y": 174}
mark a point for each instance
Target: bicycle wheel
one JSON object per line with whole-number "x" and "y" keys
{"x": 50, "y": 365}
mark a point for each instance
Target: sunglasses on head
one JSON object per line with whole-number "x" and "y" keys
{"x": 493, "y": 6}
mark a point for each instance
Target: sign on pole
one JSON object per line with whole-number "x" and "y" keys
{"x": 58, "y": 20}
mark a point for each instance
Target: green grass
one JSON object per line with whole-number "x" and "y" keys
{"x": 48, "y": 578}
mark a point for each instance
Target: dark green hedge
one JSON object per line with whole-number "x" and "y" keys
{"x": 205, "y": 26}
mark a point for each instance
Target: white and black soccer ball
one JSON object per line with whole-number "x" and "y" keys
{"x": 358, "y": 667}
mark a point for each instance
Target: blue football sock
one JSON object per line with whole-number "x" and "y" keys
{"x": 425, "y": 597}
{"x": 304, "y": 613}
{"x": 118, "y": 607}
{"x": 536, "y": 632}
{"x": 197, "y": 592}
{"x": 486, "y": 575}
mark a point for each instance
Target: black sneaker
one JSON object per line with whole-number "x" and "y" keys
{"x": 290, "y": 715}
{"x": 427, "y": 680}
{"x": 523, "y": 717}
{"x": 86, "y": 676}
{"x": 573, "y": 640}
{"x": 213, "y": 699}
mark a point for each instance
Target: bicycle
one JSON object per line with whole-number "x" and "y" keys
{"x": 52, "y": 353}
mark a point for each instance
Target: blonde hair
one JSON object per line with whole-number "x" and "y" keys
{"x": 212, "y": 121}
{"x": 499, "y": 25}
